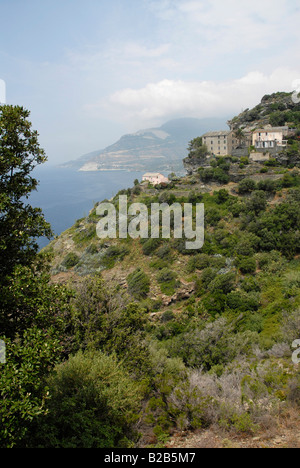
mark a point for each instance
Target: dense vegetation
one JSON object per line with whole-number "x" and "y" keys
{"x": 178, "y": 340}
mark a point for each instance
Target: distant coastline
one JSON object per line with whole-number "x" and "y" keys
{"x": 66, "y": 194}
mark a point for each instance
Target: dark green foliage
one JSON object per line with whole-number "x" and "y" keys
{"x": 212, "y": 345}
{"x": 241, "y": 301}
{"x": 222, "y": 196}
{"x": 247, "y": 265}
{"x": 198, "y": 262}
{"x": 94, "y": 404}
{"x": 150, "y": 245}
{"x": 70, "y": 260}
{"x": 217, "y": 174}
{"x": 290, "y": 180}
{"x": 167, "y": 280}
{"x": 29, "y": 300}
{"x": 20, "y": 223}
{"x": 257, "y": 202}
{"x": 85, "y": 235}
{"x": 267, "y": 185}
{"x": 272, "y": 162}
{"x": 194, "y": 197}
{"x": 246, "y": 186}
{"x": 224, "y": 283}
{"x": 113, "y": 254}
{"x": 138, "y": 284}
{"x": 164, "y": 252}
{"x": 23, "y": 391}
{"x": 196, "y": 149}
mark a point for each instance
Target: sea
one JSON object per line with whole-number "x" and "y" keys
{"x": 66, "y": 194}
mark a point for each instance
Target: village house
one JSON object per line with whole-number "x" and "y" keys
{"x": 218, "y": 143}
{"x": 267, "y": 138}
{"x": 155, "y": 178}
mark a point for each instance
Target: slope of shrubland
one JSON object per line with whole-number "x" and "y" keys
{"x": 208, "y": 334}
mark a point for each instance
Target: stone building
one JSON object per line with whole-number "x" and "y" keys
{"x": 218, "y": 143}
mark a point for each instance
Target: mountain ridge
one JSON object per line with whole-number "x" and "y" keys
{"x": 158, "y": 149}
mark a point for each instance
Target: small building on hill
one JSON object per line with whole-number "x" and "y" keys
{"x": 218, "y": 143}
{"x": 155, "y": 178}
{"x": 266, "y": 138}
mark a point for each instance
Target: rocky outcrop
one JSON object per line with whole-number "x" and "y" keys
{"x": 259, "y": 116}
{"x": 186, "y": 290}
{"x": 192, "y": 164}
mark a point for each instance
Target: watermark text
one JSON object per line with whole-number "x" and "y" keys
{"x": 2, "y": 92}
{"x": 158, "y": 221}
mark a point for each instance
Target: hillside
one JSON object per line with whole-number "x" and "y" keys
{"x": 217, "y": 325}
{"x": 154, "y": 149}
{"x": 277, "y": 109}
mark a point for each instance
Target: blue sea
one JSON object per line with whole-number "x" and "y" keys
{"x": 65, "y": 195}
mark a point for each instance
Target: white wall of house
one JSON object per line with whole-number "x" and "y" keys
{"x": 268, "y": 138}
{"x": 155, "y": 178}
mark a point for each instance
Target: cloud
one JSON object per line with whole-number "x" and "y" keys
{"x": 231, "y": 26}
{"x": 201, "y": 99}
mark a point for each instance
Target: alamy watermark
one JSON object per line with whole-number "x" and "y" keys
{"x": 296, "y": 354}
{"x": 2, "y": 352}
{"x": 2, "y": 92}
{"x": 158, "y": 221}
{"x": 296, "y": 93}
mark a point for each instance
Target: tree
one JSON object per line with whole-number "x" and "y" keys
{"x": 33, "y": 312}
{"x": 246, "y": 186}
{"x": 197, "y": 149}
{"x": 20, "y": 223}
{"x": 94, "y": 404}
{"x": 239, "y": 135}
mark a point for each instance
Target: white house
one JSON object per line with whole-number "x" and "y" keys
{"x": 155, "y": 178}
{"x": 269, "y": 137}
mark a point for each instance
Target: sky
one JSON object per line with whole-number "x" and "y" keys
{"x": 90, "y": 71}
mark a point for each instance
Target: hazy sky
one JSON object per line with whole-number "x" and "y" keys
{"x": 90, "y": 71}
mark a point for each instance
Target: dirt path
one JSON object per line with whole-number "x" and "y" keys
{"x": 286, "y": 434}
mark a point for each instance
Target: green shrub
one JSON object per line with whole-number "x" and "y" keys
{"x": 247, "y": 265}
{"x": 167, "y": 280}
{"x": 223, "y": 283}
{"x": 70, "y": 260}
{"x": 94, "y": 404}
{"x": 198, "y": 262}
{"x": 150, "y": 245}
{"x": 246, "y": 186}
{"x": 112, "y": 254}
{"x": 271, "y": 163}
{"x": 164, "y": 252}
{"x": 263, "y": 170}
{"x": 85, "y": 235}
{"x": 239, "y": 300}
{"x": 159, "y": 264}
{"x": 92, "y": 249}
{"x": 267, "y": 185}
{"x": 138, "y": 284}
{"x": 257, "y": 201}
{"x": 167, "y": 316}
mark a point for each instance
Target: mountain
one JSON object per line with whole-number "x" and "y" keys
{"x": 153, "y": 149}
